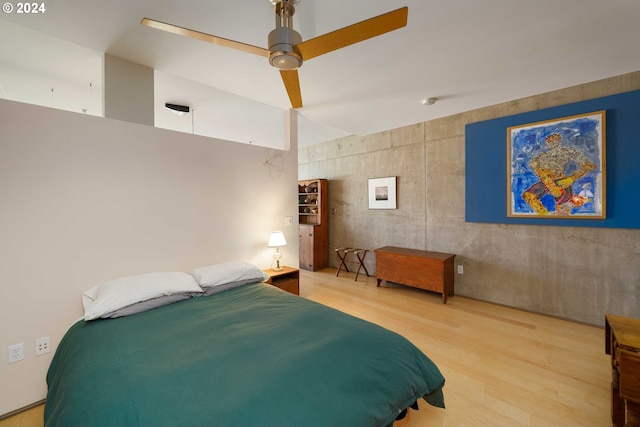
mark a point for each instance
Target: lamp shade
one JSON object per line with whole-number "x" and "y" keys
{"x": 277, "y": 240}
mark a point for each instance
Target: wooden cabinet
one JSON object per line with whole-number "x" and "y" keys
{"x": 428, "y": 270}
{"x": 312, "y": 201}
{"x": 314, "y": 224}
{"x": 287, "y": 279}
{"x": 622, "y": 342}
{"x": 306, "y": 236}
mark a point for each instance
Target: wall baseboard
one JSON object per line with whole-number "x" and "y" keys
{"x": 21, "y": 410}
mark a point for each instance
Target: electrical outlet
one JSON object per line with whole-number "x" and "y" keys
{"x": 16, "y": 352}
{"x": 42, "y": 346}
{"x": 461, "y": 269}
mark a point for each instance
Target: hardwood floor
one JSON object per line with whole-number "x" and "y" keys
{"x": 32, "y": 418}
{"x": 503, "y": 367}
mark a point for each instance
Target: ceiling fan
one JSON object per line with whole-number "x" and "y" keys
{"x": 287, "y": 51}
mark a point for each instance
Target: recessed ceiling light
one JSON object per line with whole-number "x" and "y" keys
{"x": 429, "y": 101}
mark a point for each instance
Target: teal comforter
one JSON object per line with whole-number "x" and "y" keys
{"x": 252, "y": 356}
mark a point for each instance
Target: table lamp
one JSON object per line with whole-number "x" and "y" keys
{"x": 277, "y": 240}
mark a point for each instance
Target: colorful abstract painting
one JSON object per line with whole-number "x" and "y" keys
{"x": 556, "y": 168}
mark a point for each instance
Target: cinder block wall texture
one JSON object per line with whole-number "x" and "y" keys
{"x": 576, "y": 273}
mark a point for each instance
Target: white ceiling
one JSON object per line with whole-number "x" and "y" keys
{"x": 467, "y": 53}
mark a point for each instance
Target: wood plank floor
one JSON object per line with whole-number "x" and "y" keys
{"x": 32, "y": 418}
{"x": 503, "y": 367}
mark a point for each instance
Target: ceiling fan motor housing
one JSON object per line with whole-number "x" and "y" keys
{"x": 282, "y": 41}
{"x": 282, "y": 52}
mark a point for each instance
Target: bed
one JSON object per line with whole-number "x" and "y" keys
{"x": 245, "y": 354}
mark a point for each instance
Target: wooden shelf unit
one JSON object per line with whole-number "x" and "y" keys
{"x": 314, "y": 224}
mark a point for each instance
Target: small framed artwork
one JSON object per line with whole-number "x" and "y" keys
{"x": 382, "y": 193}
{"x": 557, "y": 168}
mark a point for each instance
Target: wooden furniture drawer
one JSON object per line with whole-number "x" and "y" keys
{"x": 630, "y": 381}
{"x": 290, "y": 285}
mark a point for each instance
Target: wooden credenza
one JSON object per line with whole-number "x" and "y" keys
{"x": 428, "y": 270}
{"x": 622, "y": 342}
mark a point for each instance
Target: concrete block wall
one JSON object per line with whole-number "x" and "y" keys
{"x": 577, "y": 273}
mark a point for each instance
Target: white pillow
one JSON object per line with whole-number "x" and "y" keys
{"x": 106, "y": 298}
{"x": 228, "y": 272}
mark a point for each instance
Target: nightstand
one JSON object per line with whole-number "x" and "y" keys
{"x": 288, "y": 279}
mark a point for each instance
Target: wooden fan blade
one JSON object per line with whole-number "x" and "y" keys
{"x": 292, "y": 84}
{"x": 204, "y": 37}
{"x": 352, "y": 34}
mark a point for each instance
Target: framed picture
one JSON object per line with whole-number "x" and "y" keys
{"x": 382, "y": 193}
{"x": 556, "y": 168}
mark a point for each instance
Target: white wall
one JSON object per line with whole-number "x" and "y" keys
{"x": 128, "y": 91}
{"x": 85, "y": 199}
